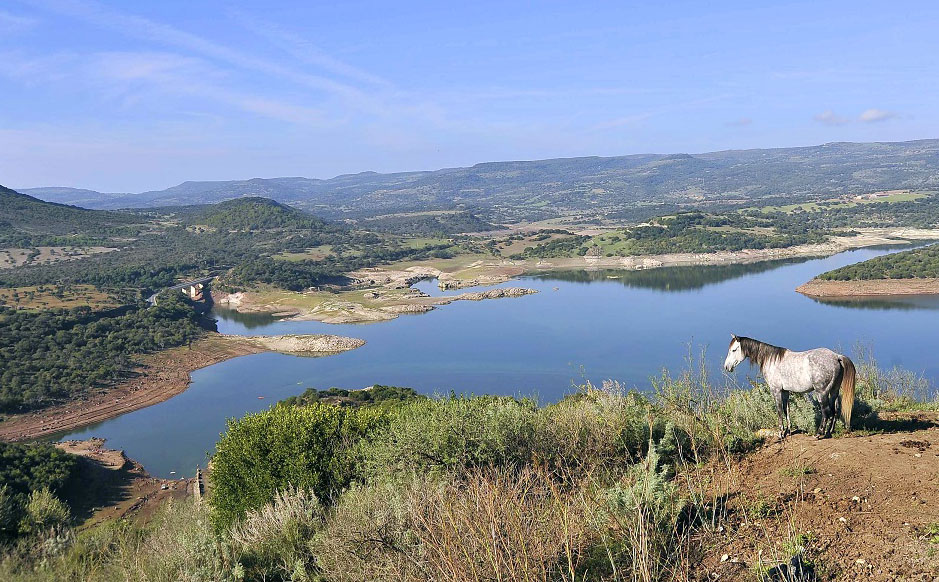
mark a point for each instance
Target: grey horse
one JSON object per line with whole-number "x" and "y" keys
{"x": 828, "y": 374}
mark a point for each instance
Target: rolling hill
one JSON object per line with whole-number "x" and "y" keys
{"x": 25, "y": 220}
{"x": 598, "y": 185}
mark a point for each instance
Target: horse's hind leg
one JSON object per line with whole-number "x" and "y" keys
{"x": 834, "y": 411}
{"x": 823, "y": 406}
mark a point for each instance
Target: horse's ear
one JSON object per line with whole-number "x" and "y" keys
{"x": 733, "y": 336}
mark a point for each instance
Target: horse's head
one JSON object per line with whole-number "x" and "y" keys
{"x": 734, "y": 354}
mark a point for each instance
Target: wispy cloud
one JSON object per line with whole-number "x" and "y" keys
{"x": 829, "y": 117}
{"x": 12, "y": 23}
{"x": 129, "y": 78}
{"x": 874, "y": 115}
{"x": 305, "y": 51}
{"x": 143, "y": 28}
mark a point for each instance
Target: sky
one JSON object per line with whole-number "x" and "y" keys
{"x": 132, "y": 96}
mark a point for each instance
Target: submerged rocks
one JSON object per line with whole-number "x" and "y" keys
{"x": 496, "y": 294}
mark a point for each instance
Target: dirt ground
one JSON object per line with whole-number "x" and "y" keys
{"x": 873, "y": 288}
{"x": 861, "y": 507}
{"x": 114, "y": 487}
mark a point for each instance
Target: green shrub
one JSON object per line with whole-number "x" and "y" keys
{"x": 452, "y": 434}
{"x": 45, "y": 511}
{"x": 273, "y": 542}
{"x": 638, "y": 524}
{"x": 306, "y": 447}
{"x": 597, "y": 427}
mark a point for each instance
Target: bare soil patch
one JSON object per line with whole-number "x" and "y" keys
{"x": 862, "y": 507}
{"x": 871, "y": 288}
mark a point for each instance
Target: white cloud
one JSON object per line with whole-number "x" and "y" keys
{"x": 830, "y": 118}
{"x": 873, "y": 115}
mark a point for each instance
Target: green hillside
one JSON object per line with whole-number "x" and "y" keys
{"x": 28, "y": 221}
{"x": 250, "y": 213}
{"x": 917, "y": 263}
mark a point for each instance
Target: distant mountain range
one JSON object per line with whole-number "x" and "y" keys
{"x": 539, "y": 189}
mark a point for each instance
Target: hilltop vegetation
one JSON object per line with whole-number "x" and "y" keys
{"x": 253, "y": 213}
{"x": 912, "y": 264}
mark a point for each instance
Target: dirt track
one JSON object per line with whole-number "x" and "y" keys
{"x": 863, "y": 507}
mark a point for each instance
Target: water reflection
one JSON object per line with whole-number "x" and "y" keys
{"x": 899, "y": 302}
{"x": 248, "y": 320}
{"x": 675, "y": 279}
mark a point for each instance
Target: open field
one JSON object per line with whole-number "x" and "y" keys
{"x": 55, "y": 296}
{"x": 10, "y": 258}
{"x": 891, "y": 196}
{"x": 357, "y": 306}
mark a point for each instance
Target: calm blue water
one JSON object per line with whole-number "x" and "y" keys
{"x": 626, "y": 326}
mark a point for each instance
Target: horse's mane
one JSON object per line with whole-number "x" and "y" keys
{"x": 760, "y": 353}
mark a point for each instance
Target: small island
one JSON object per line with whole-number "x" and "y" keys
{"x": 912, "y": 272}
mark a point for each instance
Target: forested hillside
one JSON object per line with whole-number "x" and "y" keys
{"x": 157, "y": 247}
{"x": 55, "y": 355}
{"x": 28, "y": 221}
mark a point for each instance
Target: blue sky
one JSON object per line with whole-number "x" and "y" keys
{"x": 130, "y": 96}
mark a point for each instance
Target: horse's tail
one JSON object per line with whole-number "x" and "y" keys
{"x": 848, "y": 377}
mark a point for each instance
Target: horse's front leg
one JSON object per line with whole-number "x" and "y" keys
{"x": 782, "y": 411}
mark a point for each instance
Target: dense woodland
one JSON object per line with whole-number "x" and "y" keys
{"x": 32, "y": 480}
{"x": 54, "y": 355}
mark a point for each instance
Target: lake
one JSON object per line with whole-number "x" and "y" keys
{"x": 580, "y": 326}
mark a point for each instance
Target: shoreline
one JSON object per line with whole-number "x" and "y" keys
{"x": 824, "y": 289}
{"x": 384, "y": 293}
{"x": 160, "y": 377}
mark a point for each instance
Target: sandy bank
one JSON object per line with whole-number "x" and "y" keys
{"x": 160, "y": 377}
{"x": 874, "y": 288}
{"x": 112, "y": 486}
